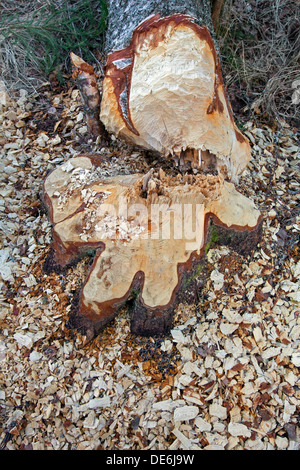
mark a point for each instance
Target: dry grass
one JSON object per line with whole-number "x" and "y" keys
{"x": 18, "y": 70}
{"x": 260, "y": 48}
{"x": 37, "y": 37}
{"x": 259, "y": 42}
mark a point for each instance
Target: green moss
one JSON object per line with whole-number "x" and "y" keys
{"x": 193, "y": 276}
{"x": 134, "y": 294}
{"x": 198, "y": 271}
{"x": 214, "y": 237}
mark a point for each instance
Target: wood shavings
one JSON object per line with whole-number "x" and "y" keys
{"x": 185, "y": 413}
{"x": 227, "y": 377}
{"x": 238, "y": 429}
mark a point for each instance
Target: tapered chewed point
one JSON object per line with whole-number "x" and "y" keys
{"x": 165, "y": 92}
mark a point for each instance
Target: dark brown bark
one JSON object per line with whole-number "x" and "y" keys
{"x": 217, "y": 6}
{"x": 158, "y": 322}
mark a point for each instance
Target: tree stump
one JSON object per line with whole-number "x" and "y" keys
{"x": 163, "y": 91}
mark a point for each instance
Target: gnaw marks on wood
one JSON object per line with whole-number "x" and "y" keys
{"x": 144, "y": 242}
{"x": 163, "y": 91}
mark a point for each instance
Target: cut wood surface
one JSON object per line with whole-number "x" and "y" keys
{"x": 142, "y": 237}
{"x": 163, "y": 91}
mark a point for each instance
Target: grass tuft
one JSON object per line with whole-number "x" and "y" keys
{"x": 37, "y": 37}
{"x": 259, "y": 42}
{"x": 260, "y": 49}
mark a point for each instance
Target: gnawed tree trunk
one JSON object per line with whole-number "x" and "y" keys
{"x": 162, "y": 91}
{"x": 163, "y": 88}
{"x": 148, "y": 240}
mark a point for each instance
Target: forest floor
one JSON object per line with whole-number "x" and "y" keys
{"x": 227, "y": 377}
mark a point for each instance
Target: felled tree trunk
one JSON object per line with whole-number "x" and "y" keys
{"x": 163, "y": 88}
{"x": 162, "y": 91}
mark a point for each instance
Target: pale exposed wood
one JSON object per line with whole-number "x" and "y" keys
{"x": 162, "y": 91}
{"x": 165, "y": 93}
{"x": 142, "y": 239}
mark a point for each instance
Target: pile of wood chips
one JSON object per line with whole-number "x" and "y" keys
{"x": 228, "y": 375}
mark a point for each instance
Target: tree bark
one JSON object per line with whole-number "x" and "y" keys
{"x": 162, "y": 91}
{"x": 125, "y": 16}
{"x": 86, "y": 81}
{"x": 217, "y": 6}
{"x": 163, "y": 88}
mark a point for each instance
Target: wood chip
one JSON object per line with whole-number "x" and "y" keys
{"x": 218, "y": 411}
{"x": 185, "y": 413}
{"x": 227, "y": 376}
{"x": 238, "y": 429}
